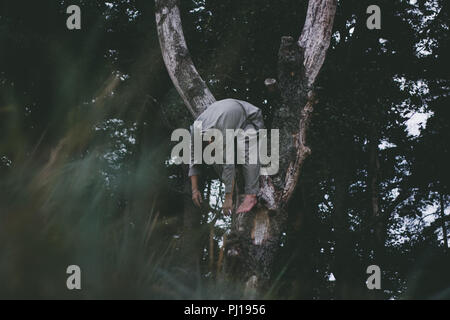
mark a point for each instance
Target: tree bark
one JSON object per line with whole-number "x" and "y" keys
{"x": 255, "y": 237}
{"x": 190, "y": 86}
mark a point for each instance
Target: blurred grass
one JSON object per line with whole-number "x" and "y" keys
{"x": 94, "y": 194}
{"x": 93, "y": 202}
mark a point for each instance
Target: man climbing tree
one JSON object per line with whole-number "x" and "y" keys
{"x": 255, "y": 237}
{"x": 231, "y": 114}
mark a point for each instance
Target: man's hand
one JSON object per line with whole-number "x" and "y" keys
{"x": 228, "y": 204}
{"x": 197, "y": 197}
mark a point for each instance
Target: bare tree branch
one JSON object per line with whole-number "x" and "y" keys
{"x": 316, "y": 35}
{"x": 177, "y": 59}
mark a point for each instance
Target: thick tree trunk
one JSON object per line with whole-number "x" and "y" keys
{"x": 255, "y": 237}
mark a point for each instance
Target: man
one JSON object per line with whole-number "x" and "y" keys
{"x": 231, "y": 114}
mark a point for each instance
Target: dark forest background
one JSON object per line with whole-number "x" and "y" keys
{"x": 85, "y": 171}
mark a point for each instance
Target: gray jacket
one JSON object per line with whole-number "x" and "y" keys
{"x": 227, "y": 114}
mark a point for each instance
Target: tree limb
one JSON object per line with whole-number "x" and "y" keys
{"x": 313, "y": 44}
{"x": 316, "y": 35}
{"x": 177, "y": 59}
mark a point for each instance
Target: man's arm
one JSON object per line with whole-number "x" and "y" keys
{"x": 194, "y": 172}
{"x": 196, "y": 194}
